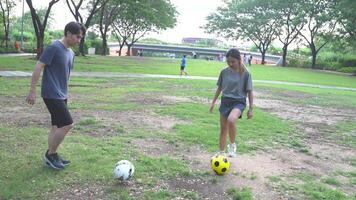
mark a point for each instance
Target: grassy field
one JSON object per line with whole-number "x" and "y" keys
{"x": 194, "y": 68}
{"x": 163, "y": 126}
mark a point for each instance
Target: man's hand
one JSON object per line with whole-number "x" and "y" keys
{"x": 31, "y": 98}
{"x": 211, "y": 108}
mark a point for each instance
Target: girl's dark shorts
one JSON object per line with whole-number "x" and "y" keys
{"x": 182, "y": 67}
{"x": 227, "y": 104}
{"x": 60, "y": 115}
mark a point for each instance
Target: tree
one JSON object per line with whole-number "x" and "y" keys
{"x": 140, "y": 17}
{"x": 108, "y": 13}
{"x": 320, "y": 27}
{"x": 92, "y": 6}
{"x": 291, "y": 17}
{"x": 346, "y": 15}
{"x": 247, "y": 19}
{"x": 39, "y": 26}
{"x": 6, "y": 7}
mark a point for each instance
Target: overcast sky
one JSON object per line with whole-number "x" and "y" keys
{"x": 192, "y": 15}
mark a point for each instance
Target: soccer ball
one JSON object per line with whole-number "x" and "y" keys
{"x": 220, "y": 164}
{"x": 123, "y": 170}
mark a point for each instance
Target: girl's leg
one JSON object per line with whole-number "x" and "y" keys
{"x": 223, "y": 132}
{"x": 231, "y": 121}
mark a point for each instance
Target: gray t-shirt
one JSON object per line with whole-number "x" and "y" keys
{"x": 233, "y": 84}
{"x": 58, "y": 62}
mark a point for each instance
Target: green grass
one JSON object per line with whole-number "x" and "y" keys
{"x": 240, "y": 194}
{"x": 252, "y": 135}
{"x": 306, "y": 185}
{"x": 21, "y": 146}
{"x": 151, "y": 65}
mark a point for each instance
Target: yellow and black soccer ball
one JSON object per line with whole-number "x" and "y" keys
{"x": 220, "y": 164}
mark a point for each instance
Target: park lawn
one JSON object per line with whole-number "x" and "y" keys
{"x": 152, "y": 65}
{"x": 94, "y": 151}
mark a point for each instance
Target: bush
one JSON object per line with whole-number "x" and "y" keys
{"x": 8, "y": 50}
{"x": 297, "y": 62}
{"x": 350, "y": 70}
{"x": 348, "y": 60}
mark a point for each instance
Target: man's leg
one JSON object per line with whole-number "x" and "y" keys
{"x": 56, "y": 137}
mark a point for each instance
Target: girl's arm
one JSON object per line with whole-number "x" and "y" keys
{"x": 217, "y": 93}
{"x": 250, "y": 104}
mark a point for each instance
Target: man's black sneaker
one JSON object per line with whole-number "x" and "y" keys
{"x": 52, "y": 160}
{"x": 64, "y": 162}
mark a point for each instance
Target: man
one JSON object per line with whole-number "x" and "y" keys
{"x": 182, "y": 65}
{"x": 57, "y": 62}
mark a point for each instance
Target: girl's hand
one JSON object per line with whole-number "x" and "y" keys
{"x": 249, "y": 114}
{"x": 211, "y": 108}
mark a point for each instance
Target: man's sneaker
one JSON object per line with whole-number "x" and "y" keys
{"x": 65, "y": 162}
{"x": 231, "y": 148}
{"x": 52, "y": 160}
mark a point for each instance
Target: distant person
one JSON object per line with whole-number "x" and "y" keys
{"x": 235, "y": 84}
{"x": 245, "y": 59}
{"x": 249, "y": 60}
{"x": 182, "y": 65}
{"x": 194, "y": 55}
{"x": 57, "y": 62}
{"x": 17, "y": 46}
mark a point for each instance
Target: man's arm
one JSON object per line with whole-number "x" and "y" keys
{"x": 31, "y": 98}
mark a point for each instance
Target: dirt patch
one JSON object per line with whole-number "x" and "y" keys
{"x": 306, "y": 113}
{"x": 134, "y": 119}
{"x": 80, "y": 191}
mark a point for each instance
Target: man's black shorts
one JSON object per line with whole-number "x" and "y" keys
{"x": 60, "y": 115}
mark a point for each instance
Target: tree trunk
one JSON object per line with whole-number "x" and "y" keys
{"x": 263, "y": 57}
{"x": 314, "y": 53}
{"x": 129, "y": 49}
{"x": 284, "y": 55}
{"x": 81, "y": 47}
{"x": 39, "y": 49}
{"x": 6, "y": 37}
{"x": 105, "y": 46}
{"x": 120, "y": 50}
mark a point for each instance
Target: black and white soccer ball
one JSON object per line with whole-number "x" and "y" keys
{"x": 123, "y": 170}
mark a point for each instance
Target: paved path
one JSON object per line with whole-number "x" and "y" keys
{"x": 129, "y": 75}
{"x": 15, "y": 54}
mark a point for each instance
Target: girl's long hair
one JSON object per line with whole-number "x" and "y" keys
{"x": 235, "y": 53}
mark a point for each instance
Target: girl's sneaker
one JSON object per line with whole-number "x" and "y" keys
{"x": 231, "y": 148}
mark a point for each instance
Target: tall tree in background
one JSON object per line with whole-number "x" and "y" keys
{"x": 108, "y": 13}
{"x": 252, "y": 20}
{"x": 6, "y": 7}
{"x": 141, "y": 17}
{"x": 39, "y": 26}
{"x": 292, "y": 20}
{"x": 92, "y": 7}
{"x": 321, "y": 24}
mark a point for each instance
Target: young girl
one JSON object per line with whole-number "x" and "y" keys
{"x": 235, "y": 83}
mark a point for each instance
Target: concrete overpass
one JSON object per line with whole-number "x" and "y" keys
{"x": 217, "y": 53}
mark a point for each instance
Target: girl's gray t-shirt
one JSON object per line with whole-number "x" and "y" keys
{"x": 58, "y": 62}
{"x": 233, "y": 84}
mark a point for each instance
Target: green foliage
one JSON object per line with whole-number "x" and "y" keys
{"x": 250, "y": 19}
{"x": 10, "y": 49}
